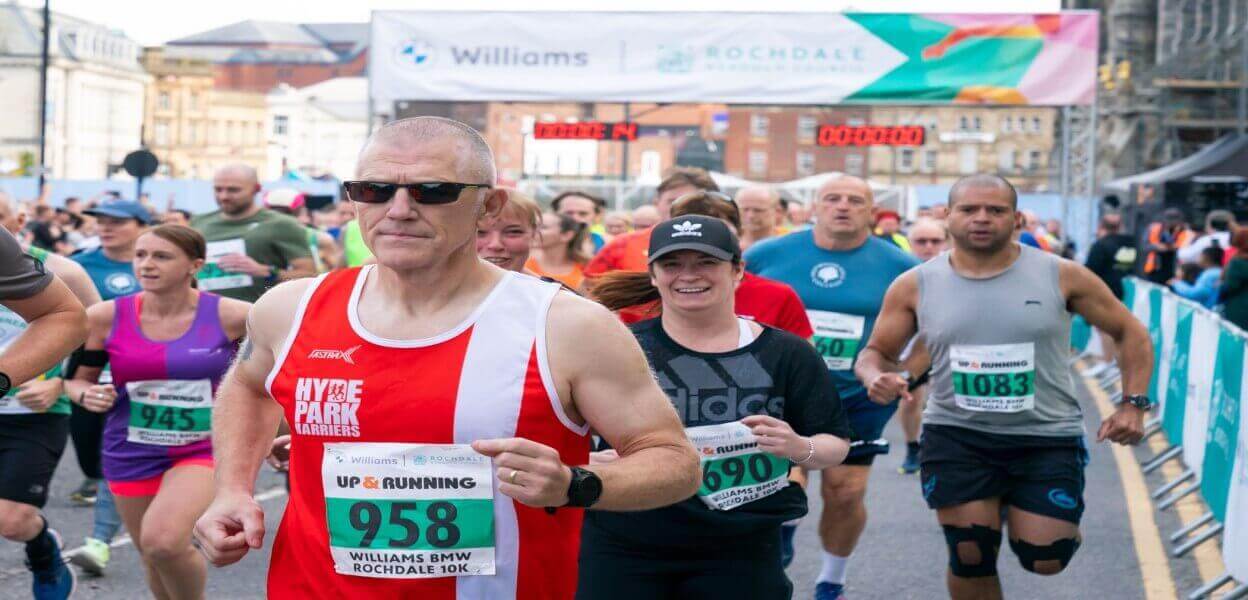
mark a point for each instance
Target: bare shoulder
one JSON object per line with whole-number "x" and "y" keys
{"x": 905, "y": 288}
{"x": 574, "y": 316}
{"x": 75, "y": 277}
{"x": 1075, "y": 278}
{"x": 583, "y": 334}
{"x": 233, "y": 314}
{"x": 273, "y": 315}
{"x": 63, "y": 267}
{"x": 100, "y": 315}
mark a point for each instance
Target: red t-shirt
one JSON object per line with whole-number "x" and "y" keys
{"x": 764, "y": 300}
{"x": 624, "y": 253}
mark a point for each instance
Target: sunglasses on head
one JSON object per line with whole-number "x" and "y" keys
{"x": 429, "y": 192}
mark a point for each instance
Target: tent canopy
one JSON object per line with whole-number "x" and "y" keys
{"x": 1228, "y": 156}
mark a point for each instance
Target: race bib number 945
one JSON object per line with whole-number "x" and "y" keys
{"x": 734, "y": 470}
{"x": 409, "y": 511}
{"x": 169, "y": 412}
{"x": 999, "y": 378}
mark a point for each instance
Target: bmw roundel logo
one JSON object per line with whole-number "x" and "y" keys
{"x": 827, "y": 275}
{"x": 415, "y": 53}
{"x": 120, "y": 283}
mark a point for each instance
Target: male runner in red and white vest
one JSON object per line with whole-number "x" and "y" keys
{"x": 440, "y": 407}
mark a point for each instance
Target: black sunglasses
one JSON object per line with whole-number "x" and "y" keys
{"x": 428, "y": 192}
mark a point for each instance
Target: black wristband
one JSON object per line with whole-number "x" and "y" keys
{"x": 919, "y": 381}
{"x": 93, "y": 358}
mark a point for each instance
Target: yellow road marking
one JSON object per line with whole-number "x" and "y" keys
{"x": 1154, "y": 563}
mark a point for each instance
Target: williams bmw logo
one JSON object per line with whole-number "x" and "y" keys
{"x": 415, "y": 53}
{"x": 827, "y": 275}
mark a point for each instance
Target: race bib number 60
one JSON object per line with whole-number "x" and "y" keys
{"x": 409, "y": 511}
{"x": 998, "y": 378}
{"x": 837, "y": 337}
{"x": 734, "y": 470}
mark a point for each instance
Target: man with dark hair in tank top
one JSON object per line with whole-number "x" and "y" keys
{"x": 1003, "y": 426}
{"x": 439, "y": 406}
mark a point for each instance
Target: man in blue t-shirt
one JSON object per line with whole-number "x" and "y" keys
{"x": 111, "y": 267}
{"x": 841, "y": 271}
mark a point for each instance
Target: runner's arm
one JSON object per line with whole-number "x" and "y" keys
{"x": 86, "y": 376}
{"x": 894, "y": 327}
{"x": 1087, "y": 295}
{"x": 245, "y": 416}
{"x": 599, "y": 366}
{"x": 75, "y": 277}
{"x": 58, "y": 324}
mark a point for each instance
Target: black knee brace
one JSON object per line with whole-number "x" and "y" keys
{"x": 1028, "y": 554}
{"x": 987, "y": 539}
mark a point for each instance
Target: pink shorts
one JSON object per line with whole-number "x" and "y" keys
{"x": 148, "y": 487}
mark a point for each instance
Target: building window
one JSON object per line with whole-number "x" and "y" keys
{"x": 853, "y": 164}
{"x": 964, "y": 123}
{"x": 1022, "y": 124}
{"x": 758, "y": 162}
{"x": 1035, "y": 124}
{"x": 280, "y": 124}
{"x": 905, "y": 160}
{"x": 1006, "y": 125}
{"x": 805, "y": 163}
{"x": 758, "y": 126}
{"x": 929, "y": 161}
{"x": 978, "y": 123}
{"x": 162, "y": 133}
{"x": 968, "y": 159}
{"x": 162, "y": 101}
{"x": 806, "y": 126}
{"x": 1033, "y": 160}
{"x": 1005, "y": 160}
{"x": 194, "y": 101}
{"x": 190, "y": 137}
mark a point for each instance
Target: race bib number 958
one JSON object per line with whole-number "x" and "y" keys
{"x": 409, "y": 511}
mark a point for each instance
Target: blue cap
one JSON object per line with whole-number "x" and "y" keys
{"x": 121, "y": 209}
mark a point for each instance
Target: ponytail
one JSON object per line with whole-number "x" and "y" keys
{"x": 618, "y": 290}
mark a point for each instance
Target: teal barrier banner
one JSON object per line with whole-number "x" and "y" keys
{"x": 1128, "y": 292}
{"x": 1176, "y": 387}
{"x": 1154, "y": 333}
{"x": 1223, "y": 435}
{"x": 1080, "y": 334}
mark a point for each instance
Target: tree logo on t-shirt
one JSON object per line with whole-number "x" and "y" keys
{"x": 827, "y": 275}
{"x": 120, "y": 283}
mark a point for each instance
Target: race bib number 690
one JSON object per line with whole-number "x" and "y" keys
{"x": 409, "y": 511}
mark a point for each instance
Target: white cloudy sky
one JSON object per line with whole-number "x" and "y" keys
{"x": 153, "y": 23}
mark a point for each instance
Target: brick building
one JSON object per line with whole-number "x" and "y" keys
{"x": 769, "y": 143}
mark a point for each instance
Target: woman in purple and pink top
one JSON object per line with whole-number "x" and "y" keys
{"x": 168, "y": 347}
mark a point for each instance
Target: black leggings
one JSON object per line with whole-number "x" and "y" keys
{"x": 610, "y": 570}
{"x": 86, "y": 428}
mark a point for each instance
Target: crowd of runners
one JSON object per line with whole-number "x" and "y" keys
{"x": 475, "y": 397}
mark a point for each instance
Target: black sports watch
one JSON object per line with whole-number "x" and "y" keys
{"x": 584, "y": 489}
{"x": 6, "y": 384}
{"x": 1139, "y": 401}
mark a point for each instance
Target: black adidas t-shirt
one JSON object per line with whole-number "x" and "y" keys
{"x": 778, "y": 374}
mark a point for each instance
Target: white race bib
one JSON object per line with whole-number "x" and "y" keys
{"x": 171, "y": 412}
{"x": 212, "y": 277}
{"x": 409, "y": 511}
{"x": 10, "y": 406}
{"x": 837, "y": 337}
{"x": 994, "y": 378}
{"x": 734, "y": 470}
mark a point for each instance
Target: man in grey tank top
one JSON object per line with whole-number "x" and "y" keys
{"x": 1002, "y": 425}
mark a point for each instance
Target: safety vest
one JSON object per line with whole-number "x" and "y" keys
{"x": 1153, "y": 262}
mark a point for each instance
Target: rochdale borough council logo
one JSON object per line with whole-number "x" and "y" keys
{"x": 415, "y": 53}
{"x": 827, "y": 275}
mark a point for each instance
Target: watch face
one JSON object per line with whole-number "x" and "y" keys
{"x": 5, "y": 384}
{"x": 586, "y": 488}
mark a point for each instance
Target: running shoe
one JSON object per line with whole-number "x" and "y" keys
{"x": 910, "y": 465}
{"x": 786, "y": 544}
{"x": 85, "y": 494}
{"x": 58, "y": 581}
{"x": 829, "y": 591}
{"x": 92, "y": 557}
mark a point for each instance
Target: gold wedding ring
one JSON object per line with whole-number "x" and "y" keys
{"x": 512, "y": 478}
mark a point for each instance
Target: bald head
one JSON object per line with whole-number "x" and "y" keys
{"x": 983, "y": 181}
{"x": 11, "y": 217}
{"x": 847, "y": 184}
{"x": 238, "y": 172}
{"x": 928, "y": 237}
{"x": 645, "y": 216}
{"x": 474, "y": 161}
{"x": 844, "y": 212}
{"x": 760, "y": 212}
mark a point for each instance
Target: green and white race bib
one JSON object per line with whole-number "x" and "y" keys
{"x": 998, "y": 378}
{"x": 170, "y": 412}
{"x": 409, "y": 511}
{"x": 212, "y": 277}
{"x": 734, "y": 470}
{"x": 10, "y": 406}
{"x": 837, "y": 337}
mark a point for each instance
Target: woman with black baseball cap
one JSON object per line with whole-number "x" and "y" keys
{"x": 754, "y": 400}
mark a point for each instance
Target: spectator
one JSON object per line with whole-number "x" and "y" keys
{"x": 176, "y": 216}
{"x": 1218, "y": 227}
{"x": 1234, "y": 292}
{"x": 761, "y": 214}
{"x": 799, "y": 215}
{"x": 250, "y": 248}
{"x": 888, "y": 228}
{"x": 584, "y": 208}
{"x": 325, "y": 252}
{"x": 645, "y": 217}
{"x": 1112, "y": 256}
{"x": 1205, "y": 288}
{"x": 1032, "y": 234}
{"x": 928, "y": 238}
{"x": 1163, "y": 241}
{"x": 46, "y": 233}
{"x": 617, "y": 223}
{"x": 559, "y": 251}
{"x": 1062, "y": 246}
{"x": 628, "y": 252}
{"x": 506, "y": 240}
